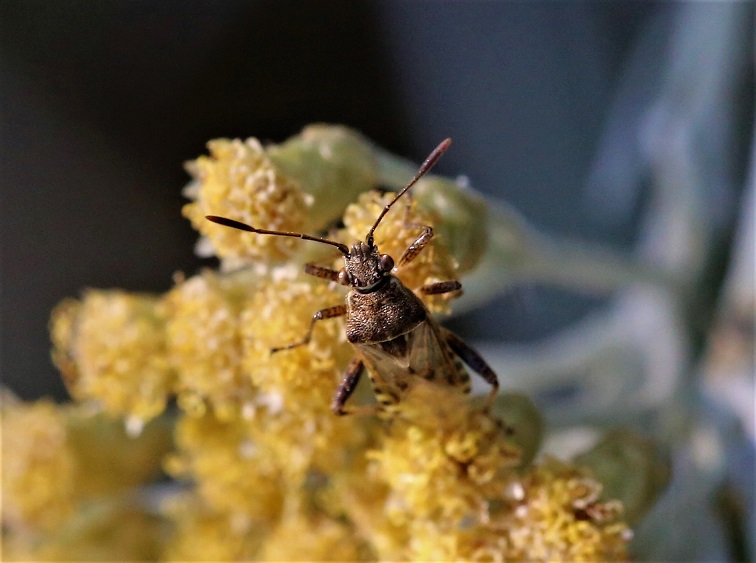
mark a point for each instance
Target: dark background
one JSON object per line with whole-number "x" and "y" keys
{"x": 102, "y": 102}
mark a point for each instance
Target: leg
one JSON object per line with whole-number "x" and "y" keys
{"x": 329, "y": 313}
{"x": 347, "y": 386}
{"x": 416, "y": 247}
{"x": 421, "y": 242}
{"x": 475, "y": 362}
{"x": 441, "y": 287}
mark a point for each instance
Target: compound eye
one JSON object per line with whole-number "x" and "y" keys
{"x": 387, "y": 263}
{"x": 343, "y": 278}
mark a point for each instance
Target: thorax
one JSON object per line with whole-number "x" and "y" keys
{"x": 384, "y": 314}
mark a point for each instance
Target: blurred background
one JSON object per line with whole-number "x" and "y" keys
{"x": 627, "y": 125}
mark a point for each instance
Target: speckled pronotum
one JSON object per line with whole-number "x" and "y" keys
{"x": 393, "y": 333}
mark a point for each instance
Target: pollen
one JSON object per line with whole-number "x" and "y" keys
{"x": 66, "y": 477}
{"x": 239, "y": 181}
{"x": 204, "y": 342}
{"x": 110, "y": 347}
{"x": 39, "y": 465}
{"x": 231, "y": 476}
{"x": 561, "y": 518}
{"x": 203, "y": 534}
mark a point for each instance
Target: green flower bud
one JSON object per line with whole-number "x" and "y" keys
{"x": 631, "y": 468}
{"x": 331, "y": 163}
{"x": 522, "y": 421}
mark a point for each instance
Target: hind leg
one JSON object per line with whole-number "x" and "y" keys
{"x": 475, "y": 362}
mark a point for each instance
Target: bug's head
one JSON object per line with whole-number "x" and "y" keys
{"x": 366, "y": 269}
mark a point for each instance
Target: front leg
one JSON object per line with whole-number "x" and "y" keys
{"x": 439, "y": 288}
{"x": 328, "y": 313}
{"x": 475, "y": 362}
{"x": 416, "y": 247}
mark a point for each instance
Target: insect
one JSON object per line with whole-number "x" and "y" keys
{"x": 392, "y": 331}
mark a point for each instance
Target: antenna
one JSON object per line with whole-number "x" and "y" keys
{"x": 343, "y": 248}
{"x": 424, "y": 168}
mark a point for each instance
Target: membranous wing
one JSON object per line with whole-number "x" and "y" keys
{"x": 418, "y": 358}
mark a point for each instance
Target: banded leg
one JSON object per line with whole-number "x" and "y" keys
{"x": 441, "y": 287}
{"x": 416, "y": 247}
{"x": 346, "y": 388}
{"x": 421, "y": 242}
{"x": 328, "y": 313}
{"x": 475, "y": 362}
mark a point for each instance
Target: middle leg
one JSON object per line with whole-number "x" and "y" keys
{"x": 327, "y": 313}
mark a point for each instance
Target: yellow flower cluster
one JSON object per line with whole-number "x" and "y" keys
{"x": 66, "y": 476}
{"x": 559, "y": 515}
{"x": 200, "y": 534}
{"x": 236, "y": 489}
{"x": 441, "y": 483}
{"x": 278, "y": 315}
{"x": 454, "y": 496}
{"x": 110, "y": 348}
{"x": 239, "y": 181}
{"x": 268, "y": 471}
{"x": 250, "y": 465}
{"x": 39, "y": 468}
{"x": 204, "y": 342}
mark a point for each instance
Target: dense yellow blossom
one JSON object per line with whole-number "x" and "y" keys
{"x": 318, "y": 538}
{"x": 441, "y": 483}
{"x": 239, "y": 181}
{"x": 455, "y": 496}
{"x": 68, "y": 477}
{"x": 118, "y": 530}
{"x": 39, "y": 465}
{"x": 397, "y": 231}
{"x": 558, "y": 516}
{"x": 202, "y": 534}
{"x": 232, "y": 475}
{"x": 204, "y": 340}
{"x": 110, "y": 347}
{"x": 245, "y": 465}
{"x": 442, "y": 474}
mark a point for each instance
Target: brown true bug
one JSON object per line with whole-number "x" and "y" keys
{"x": 394, "y": 334}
